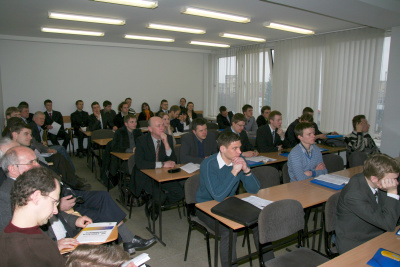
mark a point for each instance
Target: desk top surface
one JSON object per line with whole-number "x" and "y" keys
{"x": 122, "y": 156}
{"x": 162, "y": 174}
{"x": 102, "y": 142}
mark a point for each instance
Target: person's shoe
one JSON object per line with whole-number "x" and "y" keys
{"x": 138, "y": 243}
{"x": 154, "y": 216}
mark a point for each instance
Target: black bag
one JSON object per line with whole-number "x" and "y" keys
{"x": 335, "y": 142}
{"x": 237, "y": 210}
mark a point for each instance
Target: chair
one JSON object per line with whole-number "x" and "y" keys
{"x": 177, "y": 150}
{"x": 267, "y": 176}
{"x": 333, "y": 162}
{"x": 285, "y": 173}
{"x": 357, "y": 158}
{"x": 279, "y": 220}
{"x": 191, "y": 186}
{"x": 329, "y": 218}
{"x": 94, "y": 151}
{"x": 211, "y": 126}
{"x": 143, "y": 123}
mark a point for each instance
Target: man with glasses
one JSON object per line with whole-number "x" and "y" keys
{"x": 238, "y": 124}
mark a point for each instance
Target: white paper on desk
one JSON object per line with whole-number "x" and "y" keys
{"x": 178, "y": 133}
{"x": 190, "y": 167}
{"x": 333, "y": 179}
{"x": 96, "y": 232}
{"x": 257, "y": 201}
{"x": 56, "y": 128}
{"x": 260, "y": 158}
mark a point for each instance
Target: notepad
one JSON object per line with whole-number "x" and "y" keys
{"x": 96, "y": 232}
{"x": 259, "y": 159}
{"x": 257, "y": 201}
{"x": 190, "y": 167}
{"x": 332, "y": 181}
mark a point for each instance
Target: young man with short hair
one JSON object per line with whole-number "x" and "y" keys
{"x": 238, "y": 123}
{"x": 359, "y": 139}
{"x": 182, "y": 104}
{"x": 305, "y": 159}
{"x": 97, "y": 121}
{"x": 263, "y": 118}
{"x": 290, "y": 136}
{"x": 130, "y": 109}
{"x": 79, "y": 122}
{"x": 176, "y": 123}
{"x": 163, "y": 107}
{"x": 25, "y": 115}
{"x": 224, "y": 118}
{"x": 123, "y": 109}
{"x": 270, "y": 137}
{"x": 251, "y": 125}
{"x": 107, "y": 108}
{"x": 198, "y": 144}
{"x": 55, "y": 116}
{"x": 369, "y": 204}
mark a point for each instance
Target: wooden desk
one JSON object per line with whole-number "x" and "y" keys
{"x": 102, "y": 142}
{"x": 87, "y": 133}
{"x": 122, "y": 156}
{"x": 359, "y": 256}
{"x": 159, "y": 176}
{"x": 122, "y": 184}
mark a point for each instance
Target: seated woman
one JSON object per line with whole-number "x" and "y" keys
{"x": 183, "y": 117}
{"x": 167, "y": 125}
{"x": 146, "y": 113}
{"x": 191, "y": 115}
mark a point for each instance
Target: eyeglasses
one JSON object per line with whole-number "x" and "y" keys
{"x": 29, "y": 163}
{"x": 56, "y": 202}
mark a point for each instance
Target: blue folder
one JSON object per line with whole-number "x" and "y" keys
{"x": 381, "y": 260}
{"x": 334, "y": 136}
{"x": 323, "y": 149}
{"x": 329, "y": 185}
{"x": 284, "y": 154}
{"x": 251, "y": 163}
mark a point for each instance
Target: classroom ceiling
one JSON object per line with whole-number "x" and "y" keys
{"x": 26, "y": 17}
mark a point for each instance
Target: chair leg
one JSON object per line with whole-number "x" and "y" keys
{"x": 130, "y": 208}
{"x": 188, "y": 241}
{"x": 244, "y": 241}
{"x": 246, "y": 233}
{"x": 208, "y": 249}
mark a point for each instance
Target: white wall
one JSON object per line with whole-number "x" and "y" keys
{"x": 391, "y": 116}
{"x": 64, "y": 72}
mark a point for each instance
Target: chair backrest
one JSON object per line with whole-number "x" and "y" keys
{"x": 211, "y": 125}
{"x": 177, "y": 150}
{"x": 131, "y": 164}
{"x": 285, "y": 173}
{"x": 67, "y": 119}
{"x": 333, "y": 162}
{"x": 357, "y": 158}
{"x": 191, "y": 186}
{"x": 280, "y": 219}
{"x": 102, "y": 134}
{"x": 143, "y": 123}
{"x": 267, "y": 176}
{"x": 330, "y": 212}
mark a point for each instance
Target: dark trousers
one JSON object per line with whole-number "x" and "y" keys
{"x": 61, "y": 134}
{"x": 80, "y": 137}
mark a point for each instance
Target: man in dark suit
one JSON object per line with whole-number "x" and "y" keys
{"x": 199, "y": 144}
{"x": 263, "y": 118}
{"x": 97, "y": 121}
{"x": 123, "y": 109}
{"x": 369, "y": 204}
{"x": 153, "y": 151}
{"x": 79, "y": 122}
{"x": 163, "y": 107}
{"x": 290, "y": 136}
{"x": 25, "y": 115}
{"x": 107, "y": 108}
{"x": 224, "y": 118}
{"x": 55, "y": 116}
{"x": 5, "y": 144}
{"x": 270, "y": 137}
{"x": 238, "y": 123}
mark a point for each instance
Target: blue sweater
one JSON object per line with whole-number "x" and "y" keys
{"x": 299, "y": 162}
{"x": 218, "y": 183}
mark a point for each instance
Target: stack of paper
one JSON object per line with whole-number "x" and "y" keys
{"x": 190, "y": 167}
{"x": 178, "y": 133}
{"x": 96, "y": 232}
{"x": 257, "y": 201}
{"x": 260, "y": 158}
{"x": 333, "y": 179}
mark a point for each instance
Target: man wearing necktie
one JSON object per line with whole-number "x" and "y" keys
{"x": 270, "y": 137}
{"x": 55, "y": 116}
{"x": 361, "y": 214}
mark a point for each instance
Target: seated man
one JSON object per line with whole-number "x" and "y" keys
{"x": 97, "y": 121}
{"x": 25, "y": 115}
{"x": 5, "y": 144}
{"x": 155, "y": 150}
{"x": 238, "y": 122}
{"x": 224, "y": 118}
{"x": 369, "y": 204}
{"x": 305, "y": 159}
{"x": 359, "y": 139}
{"x": 263, "y": 118}
{"x": 55, "y": 116}
{"x": 98, "y": 205}
{"x": 270, "y": 137}
{"x": 123, "y": 111}
{"x": 175, "y": 122}
{"x": 24, "y": 103}
{"x": 251, "y": 125}
{"x": 220, "y": 176}
{"x": 318, "y": 133}
{"x": 199, "y": 144}
{"x": 80, "y": 122}
{"x": 130, "y": 109}
{"x": 107, "y": 108}
{"x": 290, "y": 135}
{"x": 163, "y": 107}
{"x": 34, "y": 199}
{"x": 11, "y": 112}
{"x": 182, "y": 104}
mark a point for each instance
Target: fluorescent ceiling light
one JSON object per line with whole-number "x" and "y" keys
{"x": 69, "y": 31}
{"x": 215, "y": 15}
{"x": 137, "y": 3}
{"x": 208, "y": 44}
{"x": 149, "y": 38}
{"x": 287, "y": 28}
{"x": 242, "y": 37}
{"x": 175, "y": 28}
{"x": 54, "y": 15}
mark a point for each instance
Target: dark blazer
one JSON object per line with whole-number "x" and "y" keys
{"x": 261, "y": 121}
{"x": 120, "y": 140}
{"x": 68, "y": 220}
{"x": 290, "y": 136}
{"x": 55, "y": 116}
{"x": 145, "y": 158}
{"x": 35, "y": 131}
{"x": 94, "y": 123}
{"x": 142, "y": 116}
{"x": 359, "y": 217}
{"x": 158, "y": 112}
{"x": 244, "y": 139}
{"x": 119, "y": 120}
{"x": 265, "y": 142}
{"x": 177, "y": 125}
{"x": 79, "y": 119}
{"x": 223, "y": 121}
{"x": 5, "y": 203}
{"x": 112, "y": 113}
{"x": 3, "y": 176}
{"x": 189, "y": 147}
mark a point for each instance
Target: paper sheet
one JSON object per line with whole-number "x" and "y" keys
{"x": 333, "y": 179}
{"x": 96, "y": 232}
{"x": 260, "y": 158}
{"x": 257, "y": 201}
{"x": 190, "y": 167}
{"x": 56, "y": 128}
